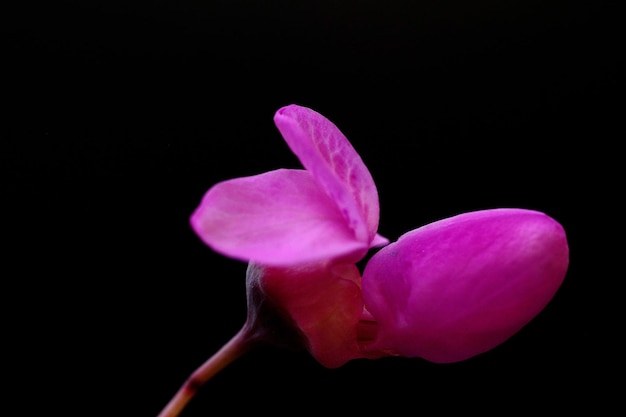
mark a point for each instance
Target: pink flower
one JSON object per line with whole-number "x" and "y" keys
{"x": 302, "y": 232}
{"x": 444, "y": 292}
{"x": 458, "y": 287}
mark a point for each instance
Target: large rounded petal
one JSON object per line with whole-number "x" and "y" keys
{"x": 329, "y": 156}
{"x": 322, "y": 300}
{"x": 460, "y": 286}
{"x": 280, "y": 217}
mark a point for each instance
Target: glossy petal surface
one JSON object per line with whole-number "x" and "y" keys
{"x": 460, "y": 286}
{"x": 328, "y": 155}
{"x": 277, "y": 218}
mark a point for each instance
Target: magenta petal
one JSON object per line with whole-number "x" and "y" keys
{"x": 276, "y": 218}
{"x": 329, "y": 156}
{"x": 460, "y": 286}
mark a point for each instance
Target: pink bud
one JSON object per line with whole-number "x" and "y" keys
{"x": 458, "y": 287}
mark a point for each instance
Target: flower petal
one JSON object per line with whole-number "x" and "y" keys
{"x": 329, "y": 156}
{"x": 460, "y": 286}
{"x": 277, "y": 218}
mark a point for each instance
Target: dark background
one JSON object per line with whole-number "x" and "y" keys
{"x": 121, "y": 114}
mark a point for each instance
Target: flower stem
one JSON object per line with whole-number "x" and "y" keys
{"x": 233, "y": 349}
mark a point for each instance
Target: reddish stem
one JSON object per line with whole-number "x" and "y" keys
{"x": 233, "y": 349}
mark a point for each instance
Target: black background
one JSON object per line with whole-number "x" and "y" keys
{"x": 120, "y": 115}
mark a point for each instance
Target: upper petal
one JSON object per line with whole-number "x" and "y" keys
{"x": 280, "y": 217}
{"x": 326, "y": 152}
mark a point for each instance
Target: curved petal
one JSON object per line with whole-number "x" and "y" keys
{"x": 461, "y": 286}
{"x": 277, "y": 218}
{"x": 327, "y": 153}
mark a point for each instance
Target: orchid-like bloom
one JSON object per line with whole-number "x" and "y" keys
{"x": 460, "y": 286}
{"x": 444, "y": 292}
